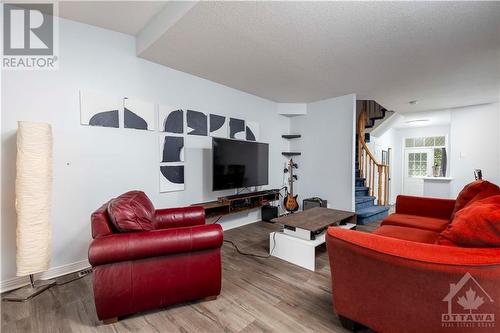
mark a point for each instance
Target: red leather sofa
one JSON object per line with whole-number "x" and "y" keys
{"x": 144, "y": 258}
{"x": 408, "y": 277}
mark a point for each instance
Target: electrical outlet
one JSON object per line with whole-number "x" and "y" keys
{"x": 84, "y": 272}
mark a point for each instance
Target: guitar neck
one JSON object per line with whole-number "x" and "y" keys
{"x": 291, "y": 177}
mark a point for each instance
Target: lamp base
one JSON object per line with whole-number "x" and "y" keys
{"x": 25, "y": 293}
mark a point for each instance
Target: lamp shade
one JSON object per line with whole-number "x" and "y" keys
{"x": 33, "y": 197}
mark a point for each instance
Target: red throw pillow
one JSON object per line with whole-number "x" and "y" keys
{"x": 477, "y": 190}
{"x": 132, "y": 211}
{"x": 477, "y": 225}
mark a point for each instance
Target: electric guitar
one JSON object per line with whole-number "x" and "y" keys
{"x": 290, "y": 202}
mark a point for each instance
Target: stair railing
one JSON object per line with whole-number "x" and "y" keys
{"x": 375, "y": 173}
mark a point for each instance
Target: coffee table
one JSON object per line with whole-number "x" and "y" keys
{"x": 304, "y": 231}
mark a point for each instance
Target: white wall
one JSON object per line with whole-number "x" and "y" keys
{"x": 475, "y": 144}
{"x": 92, "y": 164}
{"x": 326, "y": 166}
{"x": 292, "y": 109}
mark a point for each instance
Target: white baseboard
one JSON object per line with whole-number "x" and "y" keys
{"x": 21, "y": 281}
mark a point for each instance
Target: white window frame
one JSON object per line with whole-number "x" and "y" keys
{"x": 431, "y": 161}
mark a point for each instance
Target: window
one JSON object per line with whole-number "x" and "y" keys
{"x": 438, "y": 156}
{"x": 426, "y": 156}
{"x": 430, "y": 141}
{"x": 417, "y": 164}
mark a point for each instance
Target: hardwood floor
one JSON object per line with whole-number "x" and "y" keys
{"x": 258, "y": 295}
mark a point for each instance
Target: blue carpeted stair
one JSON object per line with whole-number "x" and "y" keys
{"x": 366, "y": 209}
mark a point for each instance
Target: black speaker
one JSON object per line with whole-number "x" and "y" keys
{"x": 269, "y": 212}
{"x": 313, "y": 202}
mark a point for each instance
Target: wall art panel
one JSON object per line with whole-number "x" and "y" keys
{"x": 218, "y": 126}
{"x": 252, "y": 131}
{"x": 170, "y": 119}
{"x": 196, "y": 123}
{"x": 171, "y": 148}
{"x": 98, "y": 109}
{"x": 237, "y": 129}
{"x": 138, "y": 114}
{"x": 171, "y": 178}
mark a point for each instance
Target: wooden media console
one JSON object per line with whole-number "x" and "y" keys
{"x": 238, "y": 202}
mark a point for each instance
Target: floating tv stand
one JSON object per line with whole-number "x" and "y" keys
{"x": 239, "y": 202}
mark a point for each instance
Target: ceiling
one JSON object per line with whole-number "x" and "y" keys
{"x": 128, "y": 17}
{"x": 442, "y": 54}
{"x": 423, "y": 119}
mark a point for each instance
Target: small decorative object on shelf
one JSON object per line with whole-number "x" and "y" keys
{"x": 291, "y": 136}
{"x": 436, "y": 170}
{"x": 290, "y": 153}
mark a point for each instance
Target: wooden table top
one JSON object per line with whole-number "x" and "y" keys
{"x": 314, "y": 219}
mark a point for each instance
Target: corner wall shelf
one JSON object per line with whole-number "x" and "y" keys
{"x": 290, "y": 153}
{"x": 291, "y": 136}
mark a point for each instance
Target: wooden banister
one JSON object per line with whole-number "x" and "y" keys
{"x": 375, "y": 173}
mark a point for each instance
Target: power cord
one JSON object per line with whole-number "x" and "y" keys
{"x": 280, "y": 196}
{"x": 249, "y": 254}
{"x": 252, "y": 254}
{"x": 61, "y": 281}
{"x": 218, "y": 219}
{"x": 80, "y": 275}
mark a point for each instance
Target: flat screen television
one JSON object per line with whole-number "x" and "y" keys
{"x": 238, "y": 164}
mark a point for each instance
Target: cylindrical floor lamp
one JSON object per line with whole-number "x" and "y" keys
{"x": 33, "y": 206}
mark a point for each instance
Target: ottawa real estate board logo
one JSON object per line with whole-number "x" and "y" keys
{"x": 29, "y": 36}
{"x": 469, "y": 305}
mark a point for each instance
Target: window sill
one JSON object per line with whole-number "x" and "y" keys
{"x": 444, "y": 179}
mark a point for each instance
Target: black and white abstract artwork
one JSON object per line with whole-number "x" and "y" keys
{"x": 171, "y": 178}
{"x": 237, "y": 129}
{"x": 218, "y": 126}
{"x": 196, "y": 123}
{"x": 170, "y": 119}
{"x": 171, "y": 148}
{"x": 138, "y": 114}
{"x": 252, "y": 131}
{"x": 98, "y": 109}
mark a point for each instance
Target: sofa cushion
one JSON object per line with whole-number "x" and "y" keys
{"x": 444, "y": 241}
{"x": 410, "y": 234}
{"x": 132, "y": 211}
{"x": 412, "y": 221}
{"x": 100, "y": 222}
{"x": 477, "y": 190}
{"x": 476, "y": 225}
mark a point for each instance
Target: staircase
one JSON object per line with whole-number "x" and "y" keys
{"x": 371, "y": 176}
{"x": 366, "y": 209}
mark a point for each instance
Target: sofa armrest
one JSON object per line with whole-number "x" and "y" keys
{"x": 421, "y": 206}
{"x": 179, "y": 217}
{"x": 139, "y": 245}
{"x": 423, "y": 252}
{"x": 378, "y": 281}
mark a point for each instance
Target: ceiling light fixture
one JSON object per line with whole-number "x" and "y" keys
{"x": 417, "y": 121}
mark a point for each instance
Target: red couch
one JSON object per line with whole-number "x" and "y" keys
{"x": 405, "y": 277}
{"x": 171, "y": 256}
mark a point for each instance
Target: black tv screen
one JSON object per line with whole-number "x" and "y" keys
{"x": 238, "y": 164}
